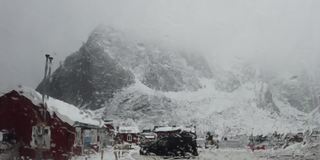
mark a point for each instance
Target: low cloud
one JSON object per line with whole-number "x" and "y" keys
{"x": 275, "y": 34}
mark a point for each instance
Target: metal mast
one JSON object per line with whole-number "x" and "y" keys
{"x": 45, "y": 77}
{"x": 49, "y": 75}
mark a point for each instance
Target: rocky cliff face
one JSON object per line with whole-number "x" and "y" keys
{"x": 88, "y": 78}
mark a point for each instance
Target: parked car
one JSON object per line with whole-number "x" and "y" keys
{"x": 147, "y": 138}
{"x": 183, "y": 144}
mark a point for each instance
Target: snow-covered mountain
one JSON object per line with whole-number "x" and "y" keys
{"x": 128, "y": 79}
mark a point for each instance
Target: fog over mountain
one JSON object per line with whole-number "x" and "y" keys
{"x": 146, "y": 57}
{"x": 279, "y": 36}
{"x": 224, "y": 77}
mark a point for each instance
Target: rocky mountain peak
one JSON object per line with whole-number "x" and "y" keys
{"x": 108, "y": 62}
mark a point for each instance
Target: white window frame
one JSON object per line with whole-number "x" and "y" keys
{"x": 129, "y": 138}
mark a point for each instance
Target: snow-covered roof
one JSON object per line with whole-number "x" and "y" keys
{"x": 128, "y": 129}
{"x": 66, "y": 112}
{"x": 70, "y": 113}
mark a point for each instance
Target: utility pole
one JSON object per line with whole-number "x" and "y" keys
{"x": 46, "y": 81}
{"x": 49, "y": 75}
{"x": 42, "y": 123}
{"x": 45, "y": 77}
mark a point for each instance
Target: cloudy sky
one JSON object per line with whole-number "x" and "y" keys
{"x": 276, "y": 33}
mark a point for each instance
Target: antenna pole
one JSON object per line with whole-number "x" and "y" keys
{"x": 49, "y": 74}
{"x": 45, "y": 77}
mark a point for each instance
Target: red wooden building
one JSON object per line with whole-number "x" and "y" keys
{"x": 128, "y": 134}
{"x": 56, "y": 131}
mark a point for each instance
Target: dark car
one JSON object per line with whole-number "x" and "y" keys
{"x": 183, "y": 144}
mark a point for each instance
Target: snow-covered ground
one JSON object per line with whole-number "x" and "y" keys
{"x": 292, "y": 153}
{"x": 297, "y": 151}
{"x": 225, "y": 154}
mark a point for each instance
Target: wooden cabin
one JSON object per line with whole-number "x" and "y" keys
{"x": 128, "y": 134}
{"x": 56, "y": 130}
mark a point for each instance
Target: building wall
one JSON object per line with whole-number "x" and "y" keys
{"x": 124, "y": 137}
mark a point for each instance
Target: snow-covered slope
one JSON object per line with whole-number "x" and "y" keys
{"x": 208, "y": 108}
{"x": 248, "y": 107}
